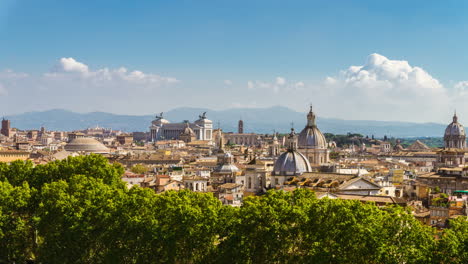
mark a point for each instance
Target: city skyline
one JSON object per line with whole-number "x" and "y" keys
{"x": 370, "y": 62}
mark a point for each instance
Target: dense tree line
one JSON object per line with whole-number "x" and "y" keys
{"x": 78, "y": 211}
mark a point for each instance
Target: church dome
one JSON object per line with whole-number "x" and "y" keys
{"x": 88, "y": 145}
{"x": 310, "y": 136}
{"x": 455, "y": 128}
{"x": 455, "y": 135}
{"x": 291, "y": 162}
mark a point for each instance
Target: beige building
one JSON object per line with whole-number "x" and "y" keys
{"x": 246, "y": 139}
{"x": 12, "y": 155}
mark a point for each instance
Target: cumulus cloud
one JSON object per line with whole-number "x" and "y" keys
{"x": 71, "y": 65}
{"x": 280, "y": 81}
{"x": 74, "y": 85}
{"x": 70, "y": 68}
{"x": 383, "y": 85}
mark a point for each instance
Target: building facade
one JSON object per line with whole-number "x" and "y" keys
{"x": 162, "y": 129}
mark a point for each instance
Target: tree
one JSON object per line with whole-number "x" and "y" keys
{"x": 282, "y": 227}
{"x": 139, "y": 169}
{"x": 453, "y": 244}
{"x": 17, "y": 239}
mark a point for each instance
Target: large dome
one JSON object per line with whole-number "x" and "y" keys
{"x": 291, "y": 162}
{"x": 310, "y": 136}
{"x": 455, "y": 135}
{"x": 455, "y": 128}
{"x": 88, "y": 145}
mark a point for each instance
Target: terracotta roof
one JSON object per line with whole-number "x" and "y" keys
{"x": 229, "y": 186}
{"x": 418, "y": 145}
{"x": 372, "y": 198}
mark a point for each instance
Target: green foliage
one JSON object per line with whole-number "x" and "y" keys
{"x": 78, "y": 211}
{"x": 453, "y": 245}
{"x": 345, "y": 140}
{"x": 296, "y": 227}
{"x": 139, "y": 169}
{"x": 432, "y": 142}
{"x": 16, "y": 224}
{"x": 334, "y": 155}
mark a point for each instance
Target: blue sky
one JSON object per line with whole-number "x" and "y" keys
{"x": 215, "y": 47}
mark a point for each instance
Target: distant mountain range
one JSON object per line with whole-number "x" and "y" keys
{"x": 259, "y": 120}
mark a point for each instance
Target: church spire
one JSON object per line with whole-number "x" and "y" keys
{"x": 292, "y": 140}
{"x": 455, "y": 117}
{"x": 221, "y": 141}
{"x": 311, "y": 118}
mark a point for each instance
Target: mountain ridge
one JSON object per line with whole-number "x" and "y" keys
{"x": 258, "y": 120}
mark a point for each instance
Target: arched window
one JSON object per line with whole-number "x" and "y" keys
{"x": 196, "y": 186}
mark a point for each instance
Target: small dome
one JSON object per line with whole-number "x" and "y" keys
{"x": 310, "y": 136}
{"x": 291, "y": 163}
{"x": 88, "y": 145}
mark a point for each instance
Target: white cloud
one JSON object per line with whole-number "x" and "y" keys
{"x": 386, "y": 89}
{"x": 71, "y": 65}
{"x": 74, "y": 85}
{"x": 280, "y": 81}
{"x": 379, "y": 89}
{"x": 299, "y": 85}
{"x": 69, "y": 68}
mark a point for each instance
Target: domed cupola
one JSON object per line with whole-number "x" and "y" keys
{"x": 455, "y": 135}
{"x": 311, "y": 137}
{"x": 291, "y": 162}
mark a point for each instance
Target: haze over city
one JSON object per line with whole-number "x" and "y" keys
{"x": 363, "y": 60}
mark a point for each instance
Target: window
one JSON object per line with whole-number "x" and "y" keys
{"x": 276, "y": 181}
